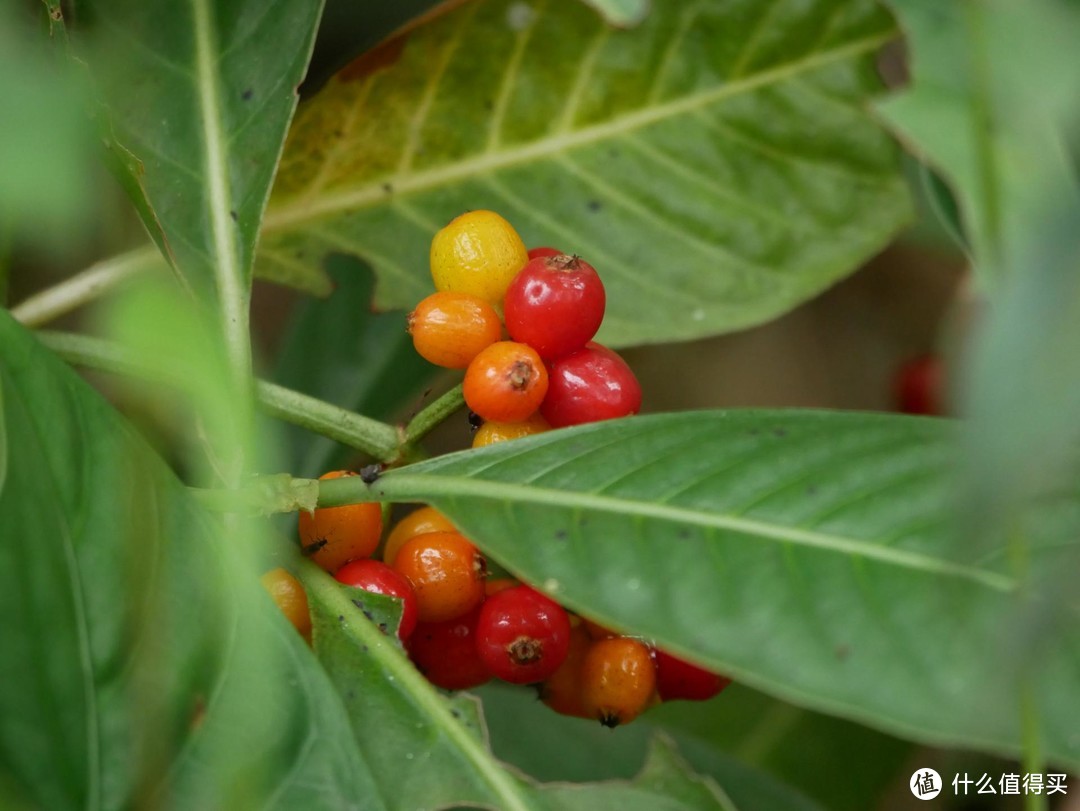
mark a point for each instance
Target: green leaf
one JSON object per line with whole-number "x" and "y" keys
{"x": 971, "y": 110}
{"x": 339, "y": 350}
{"x": 142, "y": 665}
{"x": 806, "y": 554}
{"x": 440, "y": 742}
{"x": 974, "y": 111}
{"x": 46, "y": 147}
{"x": 625, "y": 13}
{"x": 674, "y": 156}
{"x": 201, "y": 93}
{"x": 529, "y": 735}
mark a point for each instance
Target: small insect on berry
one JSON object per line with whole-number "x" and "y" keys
{"x": 555, "y": 305}
{"x": 450, "y": 329}
{"x": 522, "y": 636}
{"x": 333, "y": 535}
{"x": 376, "y": 577}
{"x": 506, "y": 382}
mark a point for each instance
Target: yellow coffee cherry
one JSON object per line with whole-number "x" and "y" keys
{"x": 290, "y": 597}
{"x": 478, "y": 253}
{"x": 492, "y": 432}
{"x": 418, "y": 522}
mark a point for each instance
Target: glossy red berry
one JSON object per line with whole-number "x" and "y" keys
{"x": 522, "y": 636}
{"x": 375, "y": 576}
{"x": 445, "y": 652}
{"x": 678, "y": 679}
{"x": 535, "y": 253}
{"x": 919, "y": 386}
{"x": 555, "y": 305}
{"x": 590, "y": 385}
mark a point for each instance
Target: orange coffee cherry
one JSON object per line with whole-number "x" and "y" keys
{"x": 447, "y": 573}
{"x": 426, "y": 519}
{"x": 332, "y": 536}
{"x": 492, "y": 432}
{"x": 450, "y": 329}
{"x": 562, "y": 689}
{"x": 506, "y": 382}
{"x": 290, "y": 597}
{"x": 618, "y": 680}
{"x": 477, "y": 253}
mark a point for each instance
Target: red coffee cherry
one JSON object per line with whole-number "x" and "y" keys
{"x": 590, "y": 385}
{"x": 538, "y": 253}
{"x": 445, "y": 652}
{"x": 555, "y": 305}
{"x": 522, "y": 636}
{"x": 377, "y": 577}
{"x": 918, "y": 386}
{"x": 678, "y": 679}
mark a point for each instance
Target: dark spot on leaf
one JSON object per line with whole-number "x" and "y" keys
{"x": 247, "y": 94}
{"x": 234, "y": 216}
{"x": 364, "y": 648}
{"x": 456, "y": 713}
{"x": 369, "y": 474}
{"x": 754, "y": 431}
{"x": 779, "y": 432}
{"x": 388, "y": 188}
{"x": 593, "y": 205}
{"x": 560, "y": 535}
{"x": 382, "y": 627}
{"x": 489, "y": 104}
{"x": 341, "y": 617}
{"x": 812, "y": 490}
{"x": 684, "y": 533}
{"x": 350, "y": 695}
{"x": 842, "y": 652}
{"x": 313, "y": 547}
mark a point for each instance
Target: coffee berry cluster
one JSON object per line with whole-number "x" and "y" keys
{"x": 550, "y": 374}
{"x": 459, "y": 627}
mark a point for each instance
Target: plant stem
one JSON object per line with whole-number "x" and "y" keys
{"x": 85, "y": 286}
{"x": 1032, "y": 761}
{"x": 983, "y": 135}
{"x": 433, "y": 414}
{"x": 352, "y": 429}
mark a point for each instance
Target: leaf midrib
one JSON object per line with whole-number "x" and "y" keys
{"x": 411, "y": 486}
{"x": 305, "y": 208}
